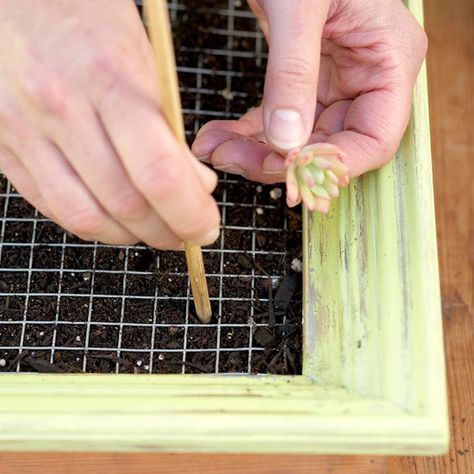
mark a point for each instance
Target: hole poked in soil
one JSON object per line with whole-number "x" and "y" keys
{"x": 141, "y": 260}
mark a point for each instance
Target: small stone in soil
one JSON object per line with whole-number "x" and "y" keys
{"x": 276, "y": 193}
{"x": 227, "y": 94}
{"x": 297, "y": 265}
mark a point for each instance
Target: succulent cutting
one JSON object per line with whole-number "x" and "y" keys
{"x": 314, "y": 175}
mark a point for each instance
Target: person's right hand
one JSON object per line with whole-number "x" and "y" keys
{"x": 81, "y": 134}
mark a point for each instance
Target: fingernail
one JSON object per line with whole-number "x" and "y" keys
{"x": 204, "y": 159}
{"x": 207, "y": 175}
{"x": 233, "y": 169}
{"x": 275, "y": 172}
{"x": 286, "y": 129}
{"x": 211, "y": 237}
{"x": 273, "y": 167}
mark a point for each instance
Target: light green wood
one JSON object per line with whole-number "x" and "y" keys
{"x": 373, "y": 377}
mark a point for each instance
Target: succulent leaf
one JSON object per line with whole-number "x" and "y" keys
{"x": 314, "y": 175}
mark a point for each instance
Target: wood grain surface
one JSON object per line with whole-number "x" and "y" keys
{"x": 82, "y": 463}
{"x": 450, "y": 26}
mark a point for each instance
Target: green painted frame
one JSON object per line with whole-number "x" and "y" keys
{"x": 373, "y": 373}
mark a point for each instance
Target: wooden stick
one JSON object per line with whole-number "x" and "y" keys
{"x": 159, "y": 29}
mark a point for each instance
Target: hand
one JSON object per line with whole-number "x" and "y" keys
{"x": 339, "y": 71}
{"x": 81, "y": 134}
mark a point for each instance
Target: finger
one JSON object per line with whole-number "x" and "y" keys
{"x": 216, "y": 132}
{"x": 158, "y": 166}
{"x": 246, "y": 157}
{"x": 261, "y": 17}
{"x": 250, "y": 123}
{"x": 83, "y": 139}
{"x": 22, "y": 181}
{"x": 290, "y": 94}
{"x": 65, "y": 195}
{"x": 373, "y": 127}
{"x": 207, "y": 142}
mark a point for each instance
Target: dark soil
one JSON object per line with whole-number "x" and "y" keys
{"x": 106, "y": 309}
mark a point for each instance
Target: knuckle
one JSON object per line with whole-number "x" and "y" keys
{"x": 103, "y": 61}
{"x": 128, "y": 207}
{"x": 106, "y": 66}
{"x": 197, "y": 228}
{"x": 422, "y": 41}
{"x": 160, "y": 179}
{"x": 48, "y": 91}
{"x": 120, "y": 240}
{"x": 87, "y": 222}
{"x": 295, "y": 72}
{"x": 169, "y": 243}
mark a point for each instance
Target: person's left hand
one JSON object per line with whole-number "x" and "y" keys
{"x": 339, "y": 71}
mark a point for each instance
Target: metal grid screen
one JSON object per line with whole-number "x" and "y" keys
{"x": 72, "y": 306}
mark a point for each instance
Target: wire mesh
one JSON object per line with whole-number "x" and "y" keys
{"x": 72, "y": 306}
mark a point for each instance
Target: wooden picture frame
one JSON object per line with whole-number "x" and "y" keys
{"x": 373, "y": 366}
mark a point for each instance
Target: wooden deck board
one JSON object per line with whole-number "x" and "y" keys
{"x": 450, "y": 27}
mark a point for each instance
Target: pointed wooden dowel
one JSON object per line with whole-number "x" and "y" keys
{"x": 159, "y": 29}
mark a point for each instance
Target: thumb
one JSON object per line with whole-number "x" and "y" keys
{"x": 291, "y": 83}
